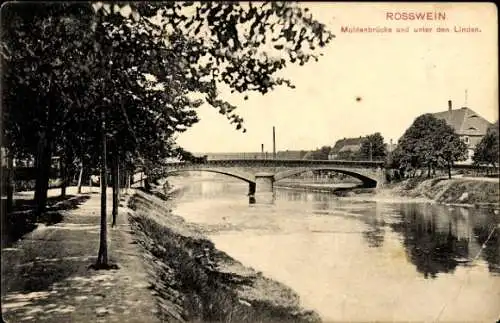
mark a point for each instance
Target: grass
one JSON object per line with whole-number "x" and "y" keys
{"x": 471, "y": 192}
{"x": 452, "y": 191}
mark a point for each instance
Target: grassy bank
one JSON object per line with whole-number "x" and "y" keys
{"x": 462, "y": 191}
{"x": 195, "y": 282}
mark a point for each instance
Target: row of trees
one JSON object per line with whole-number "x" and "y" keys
{"x": 110, "y": 85}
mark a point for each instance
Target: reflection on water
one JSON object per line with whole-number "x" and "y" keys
{"x": 438, "y": 239}
{"x": 353, "y": 260}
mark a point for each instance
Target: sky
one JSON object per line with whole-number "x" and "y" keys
{"x": 397, "y": 76}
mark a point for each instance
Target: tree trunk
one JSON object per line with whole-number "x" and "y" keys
{"x": 102, "y": 258}
{"x": 63, "y": 172}
{"x": 10, "y": 184}
{"x": 44, "y": 159}
{"x": 115, "y": 179}
{"x": 79, "y": 190}
{"x": 123, "y": 177}
{"x": 118, "y": 177}
{"x": 121, "y": 181}
{"x": 128, "y": 184}
{"x": 428, "y": 171}
{"x": 38, "y": 165}
{"x": 449, "y": 170}
{"x": 42, "y": 180}
{"x": 147, "y": 182}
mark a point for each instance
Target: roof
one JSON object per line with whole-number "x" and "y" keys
{"x": 353, "y": 148}
{"x": 347, "y": 142}
{"x": 464, "y": 121}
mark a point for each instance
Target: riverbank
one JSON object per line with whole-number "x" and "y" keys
{"x": 194, "y": 281}
{"x": 460, "y": 191}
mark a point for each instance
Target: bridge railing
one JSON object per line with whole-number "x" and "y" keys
{"x": 279, "y": 162}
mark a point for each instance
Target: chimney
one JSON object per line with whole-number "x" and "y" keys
{"x": 449, "y": 105}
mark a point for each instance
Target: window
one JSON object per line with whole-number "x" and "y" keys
{"x": 465, "y": 139}
{"x": 472, "y": 128}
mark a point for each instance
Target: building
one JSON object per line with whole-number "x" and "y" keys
{"x": 345, "y": 147}
{"x": 291, "y": 154}
{"x": 229, "y": 155}
{"x": 469, "y": 125}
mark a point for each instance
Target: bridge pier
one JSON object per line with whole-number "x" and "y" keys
{"x": 251, "y": 189}
{"x": 264, "y": 184}
{"x": 381, "y": 180}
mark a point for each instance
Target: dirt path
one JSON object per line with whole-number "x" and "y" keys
{"x": 45, "y": 275}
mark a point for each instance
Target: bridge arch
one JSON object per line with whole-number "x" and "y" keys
{"x": 368, "y": 181}
{"x": 229, "y": 172}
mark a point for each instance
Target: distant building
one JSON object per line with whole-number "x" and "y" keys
{"x": 345, "y": 147}
{"x": 291, "y": 154}
{"x": 225, "y": 156}
{"x": 469, "y": 125}
{"x": 309, "y": 155}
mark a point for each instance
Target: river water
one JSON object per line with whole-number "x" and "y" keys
{"x": 352, "y": 260}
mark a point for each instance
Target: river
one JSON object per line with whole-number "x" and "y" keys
{"x": 352, "y": 260}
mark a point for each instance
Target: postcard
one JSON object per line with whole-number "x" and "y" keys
{"x": 250, "y": 162}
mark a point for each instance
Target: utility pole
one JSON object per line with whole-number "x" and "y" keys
{"x": 274, "y": 143}
{"x": 262, "y": 150}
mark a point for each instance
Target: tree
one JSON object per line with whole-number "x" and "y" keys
{"x": 428, "y": 143}
{"x": 448, "y": 147}
{"x": 71, "y": 67}
{"x": 487, "y": 151}
{"x": 372, "y": 147}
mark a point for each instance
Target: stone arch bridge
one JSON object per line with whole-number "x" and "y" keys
{"x": 261, "y": 174}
